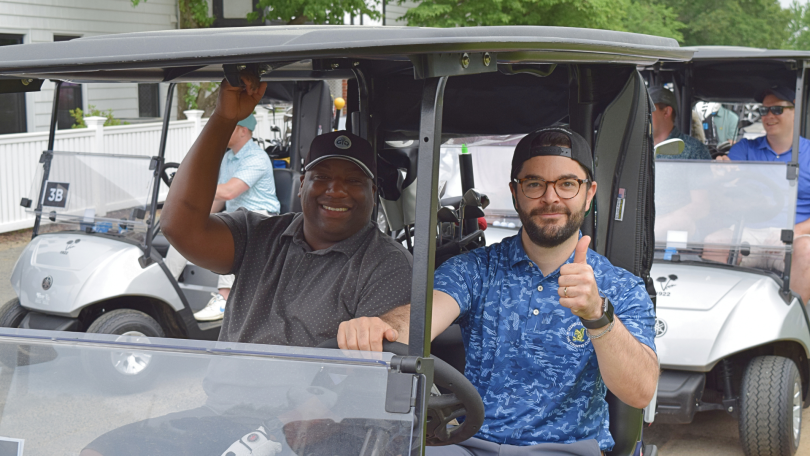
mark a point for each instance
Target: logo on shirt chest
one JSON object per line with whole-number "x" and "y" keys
{"x": 576, "y": 336}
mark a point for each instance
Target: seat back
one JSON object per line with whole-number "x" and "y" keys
{"x": 284, "y": 187}
{"x": 625, "y": 173}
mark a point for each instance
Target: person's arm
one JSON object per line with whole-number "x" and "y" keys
{"x": 628, "y": 367}
{"x": 231, "y": 189}
{"x": 367, "y": 333}
{"x": 186, "y": 220}
{"x": 217, "y": 206}
{"x": 457, "y": 281}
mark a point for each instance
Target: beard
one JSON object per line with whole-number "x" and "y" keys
{"x": 551, "y": 235}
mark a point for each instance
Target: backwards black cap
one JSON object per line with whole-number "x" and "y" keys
{"x": 579, "y": 151}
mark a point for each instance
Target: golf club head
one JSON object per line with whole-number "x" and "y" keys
{"x": 472, "y": 197}
{"x": 446, "y": 214}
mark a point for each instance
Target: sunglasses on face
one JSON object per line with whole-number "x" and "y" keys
{"x": 776, "y": 110}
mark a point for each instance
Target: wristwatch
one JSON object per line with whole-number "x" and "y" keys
{"x": 606, "y": 319}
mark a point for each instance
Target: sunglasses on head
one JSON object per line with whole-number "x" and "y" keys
{"x": 776, "y": 110}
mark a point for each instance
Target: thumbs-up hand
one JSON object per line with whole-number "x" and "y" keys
{"x": 577, "y": 285}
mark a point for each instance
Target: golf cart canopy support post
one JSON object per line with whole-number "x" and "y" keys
{"x": 146, "y": 259}
{"x": 427, "y": 196}
{"x": 47, "y": 165}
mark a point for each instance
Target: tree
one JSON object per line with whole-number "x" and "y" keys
{"x": 756, "y": 23}
{"x": 193, "y": 14}
{"x": 315, "y": 11}
{"x": 641, "y": 16}
{"x": 799, "y": 27}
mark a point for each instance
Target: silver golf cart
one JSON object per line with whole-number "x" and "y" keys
{"x": 730, "y": 334}
{"x": 407, "y": 84}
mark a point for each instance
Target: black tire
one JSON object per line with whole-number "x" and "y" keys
{"x": 769, "y": 387}
{"x": 123, "y": 371}
{"x": 12, "y": 314}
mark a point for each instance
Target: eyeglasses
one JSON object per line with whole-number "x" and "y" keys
{"x": 534, "y": 187}
{"x": 776, "y": 110}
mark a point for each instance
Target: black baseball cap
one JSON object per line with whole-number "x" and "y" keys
{"x": 779, "y": 91}
{"x": 344, "y": 146}
{"x": 579, "y": 151}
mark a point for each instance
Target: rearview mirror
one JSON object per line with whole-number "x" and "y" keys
{"x": 672, "y": 146}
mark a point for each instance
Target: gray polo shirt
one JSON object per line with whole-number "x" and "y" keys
{"x": 287, "y": 294}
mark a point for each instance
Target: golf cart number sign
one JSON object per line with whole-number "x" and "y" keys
{"x": 55, "y": 194}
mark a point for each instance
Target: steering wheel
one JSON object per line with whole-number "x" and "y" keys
{"x": 442, "y": 411}
{"x": 164, "y": 176}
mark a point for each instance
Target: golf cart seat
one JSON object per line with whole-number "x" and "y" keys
{"x": 284, "y": 191}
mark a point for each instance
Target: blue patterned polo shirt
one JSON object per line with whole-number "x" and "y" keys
{"x": 530, "y": 358}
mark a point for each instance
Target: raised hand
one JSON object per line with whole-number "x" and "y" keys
{"x": 236, "y": 103}
{"x": 577, "y": 285}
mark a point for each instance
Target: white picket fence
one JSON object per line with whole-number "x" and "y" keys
{"x": 19, "y": 154}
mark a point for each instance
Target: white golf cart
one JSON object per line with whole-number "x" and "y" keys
{"x": 730, "y": 334}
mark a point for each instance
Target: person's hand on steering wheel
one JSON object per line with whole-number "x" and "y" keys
{"x": 365, "y": 333}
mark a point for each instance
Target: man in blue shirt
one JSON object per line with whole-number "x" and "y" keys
{"x": 663, "y": 120}
{"x": 778, "y": 114}
{"x": 548, "y": 324}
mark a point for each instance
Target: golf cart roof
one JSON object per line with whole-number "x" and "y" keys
{"x": 187, "y": 55}
{"x": 741, "y": 52}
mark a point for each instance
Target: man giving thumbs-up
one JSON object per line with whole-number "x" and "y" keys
{"x": 548, "y": 324}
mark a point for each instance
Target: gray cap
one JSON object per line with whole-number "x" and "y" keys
{"x": 663, "y": 96}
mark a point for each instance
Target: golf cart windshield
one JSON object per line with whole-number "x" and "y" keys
{"x": 61, "y": 392}
{"x": 726, "y": 212}
{"x": 99, "y": 193}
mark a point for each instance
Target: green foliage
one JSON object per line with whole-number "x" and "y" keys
{"x": 317, "y": 11}
{"x": 193, "y": 13}
{"x": 799, "y": 27}
{"x": 650, "y": 18}
{"x": 641, "y": 16}
{"x": 200, "y": 96}
{"x": 756, "y": 23}
{"x": 78, "y": 117}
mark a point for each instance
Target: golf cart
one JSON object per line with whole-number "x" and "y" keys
{"x": 98, "y": 265}
{"x": 409, "y": 88}
{"x": 730, "y": 334}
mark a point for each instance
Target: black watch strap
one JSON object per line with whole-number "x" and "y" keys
{"x": 604, "y": 320}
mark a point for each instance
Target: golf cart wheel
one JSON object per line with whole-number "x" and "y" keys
{"x": 12, "y": 314}
{"x": 771, "y": 407}
{"x": 125, "y": 370}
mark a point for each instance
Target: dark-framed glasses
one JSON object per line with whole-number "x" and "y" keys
{"x": 776, "y": 110}
{"x": 534, "y": 187}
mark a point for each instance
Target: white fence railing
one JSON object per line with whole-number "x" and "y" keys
{"x": 19, "y": 154}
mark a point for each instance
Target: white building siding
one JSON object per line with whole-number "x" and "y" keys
{"x": 37, "y": 21}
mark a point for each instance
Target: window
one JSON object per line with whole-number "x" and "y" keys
{"x": 70, "y": 95}
{"x": 148, "y": 100}
{"x": 12, "y": 105}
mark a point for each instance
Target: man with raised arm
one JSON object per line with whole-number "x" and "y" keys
{"x": 298, "y": 276}
{"x": 548, "y": 324}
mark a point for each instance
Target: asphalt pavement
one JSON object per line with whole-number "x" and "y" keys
{"x": 8, "y": 256}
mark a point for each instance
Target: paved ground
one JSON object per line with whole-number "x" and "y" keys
{"x": 711, "y": 434}
{"x": 9, "y": 252}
